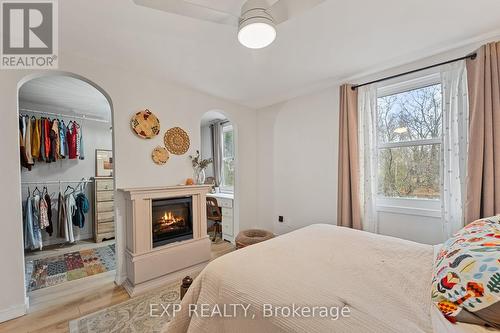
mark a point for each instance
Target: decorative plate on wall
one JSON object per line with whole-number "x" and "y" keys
{"x": 145, "y": 124}
{"x": 177, "y": 141}
{"x": 160, "y": 155}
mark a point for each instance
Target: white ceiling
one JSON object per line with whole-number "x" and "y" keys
{"x": 65, "y": 95}
{"x": 228, "y": 6}
{"x": 334, "y": 40}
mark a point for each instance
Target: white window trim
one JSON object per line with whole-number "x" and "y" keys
{"x": 408, "y": 206}
{"x": 407, "y": 85}
{"x": 410, "y": 143}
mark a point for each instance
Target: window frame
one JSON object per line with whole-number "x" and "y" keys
{"x": 402, "y": 205}
{"x": 224, "y": 126}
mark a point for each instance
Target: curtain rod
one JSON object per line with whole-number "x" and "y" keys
{"x": 469, "y": 56}
{"x": 62, "y": 115}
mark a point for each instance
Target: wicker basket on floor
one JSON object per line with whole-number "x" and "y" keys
{"x": 252, "y": 236}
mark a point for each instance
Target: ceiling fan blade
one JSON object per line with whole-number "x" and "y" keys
{"x": 284, "y": 10}
{"x": 191, "y": 9}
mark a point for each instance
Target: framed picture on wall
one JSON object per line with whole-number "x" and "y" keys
{"x": 103, "y": 163}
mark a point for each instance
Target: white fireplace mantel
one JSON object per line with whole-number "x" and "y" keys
{"x": 149, "y": 267}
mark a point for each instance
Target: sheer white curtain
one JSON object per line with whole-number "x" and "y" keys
{"x": 367, "y": 115}
{"x": 454, "y": 147}
{"x": 216, "y": 129}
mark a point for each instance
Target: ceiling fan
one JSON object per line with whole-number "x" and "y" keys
{"x": 256, "y": 23}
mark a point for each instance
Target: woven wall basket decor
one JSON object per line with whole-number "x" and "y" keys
{"x": 160, "y": 155}
{"x": 145, "y": 124}
{"x": 177, "y": 141}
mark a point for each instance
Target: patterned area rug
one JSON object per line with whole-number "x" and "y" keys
{"x": 131, "y": 316}
{"x": 70, "y": 266}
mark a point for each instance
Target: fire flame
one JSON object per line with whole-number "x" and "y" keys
{"x": 169, "y": 218}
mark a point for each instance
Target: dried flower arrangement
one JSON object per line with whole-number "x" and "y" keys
{"x": 199, "y": 163}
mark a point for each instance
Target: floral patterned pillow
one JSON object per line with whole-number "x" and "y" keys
{"x": 466, "y": 281}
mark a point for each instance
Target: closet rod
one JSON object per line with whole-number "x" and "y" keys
{"x": 83, "y": 117}
{"x": 58, "y": 182}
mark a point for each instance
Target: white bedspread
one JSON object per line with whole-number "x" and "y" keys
{"x": 384, "y": 281}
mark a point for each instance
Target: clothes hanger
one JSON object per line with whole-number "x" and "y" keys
{"x": 37, "y": 190}
{"x": 69, "y": 187}
{"x": 82, "y": 184}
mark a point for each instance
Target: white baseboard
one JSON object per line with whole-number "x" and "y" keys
{"x": 13, "y": 312}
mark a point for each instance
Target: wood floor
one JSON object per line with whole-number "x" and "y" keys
{"x": 53, "y": 316}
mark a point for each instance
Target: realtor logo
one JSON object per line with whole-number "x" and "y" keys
{"x": 29, "y": 34}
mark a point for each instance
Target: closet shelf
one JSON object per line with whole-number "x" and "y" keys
{"x": 61, "y": 115}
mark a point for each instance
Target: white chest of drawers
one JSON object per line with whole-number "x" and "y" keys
{"x": 226, "y": 203}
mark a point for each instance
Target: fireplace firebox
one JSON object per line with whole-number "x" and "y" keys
{"x": 172, "y": 220}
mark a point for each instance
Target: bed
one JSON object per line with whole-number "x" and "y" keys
{"x": 383, "y": 281}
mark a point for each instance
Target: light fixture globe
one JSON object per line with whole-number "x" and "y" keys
{"x": 256, "y": 29}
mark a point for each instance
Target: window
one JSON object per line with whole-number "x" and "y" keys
{"x": 409, "y": 129}
{"x": 227, "y": 184}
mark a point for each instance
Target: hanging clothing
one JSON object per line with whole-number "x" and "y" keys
{"x": 42, "y": 140}
{"x": 49, "y": 229}
{"x": 62, "y": 140}
{"x": 78, "y": 134}
{"x": 81, "y": 154}
{"x": 37, "y": 232}
{"x": 27, "y": 140}
{"x": 35, "y": 139}
{"x": 22, "y": 148}
{"x": 53, "y": 135}
{"x": 22, "y": 152}
{"x": 82, "y": 207}
{"x": 44, "y": 218}
{"x": 56, "y": 144}
{"x": 71, "y": 139}
{"x": 47, "y": 140}
{"x": 61, "y": 217}
{"x": 22, "y": 126}
{"x": 29, "y": 236}
{"x": 70, "y": 211}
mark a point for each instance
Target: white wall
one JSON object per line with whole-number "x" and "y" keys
{"x": 297, "y": 168}
{"x": 129, "y": 91}
{"x": 96, "y": 135}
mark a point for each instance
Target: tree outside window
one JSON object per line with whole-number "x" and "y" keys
{"x": 227, "y": 184}
{"x": 409, "y": 127}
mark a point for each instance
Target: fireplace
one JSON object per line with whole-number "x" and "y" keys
{"x": 183, "y": 234}
{"x": 172, "y": 220}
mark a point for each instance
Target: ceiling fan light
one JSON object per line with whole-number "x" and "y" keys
{"x": 257, "y": 32}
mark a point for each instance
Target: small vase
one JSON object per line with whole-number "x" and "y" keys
{"x": 199, "y": 176}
